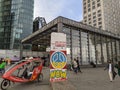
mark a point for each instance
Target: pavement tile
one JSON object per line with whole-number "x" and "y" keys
{"x": 63, "y": 85}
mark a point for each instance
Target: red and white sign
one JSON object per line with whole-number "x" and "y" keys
{"x": 58, "y": 41}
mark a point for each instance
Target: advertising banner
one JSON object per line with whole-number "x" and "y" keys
{"x": 58, "y": 57}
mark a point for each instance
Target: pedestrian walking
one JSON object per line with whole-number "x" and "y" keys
{"x": 2, "y": 66}
{"x": 78, "y": 65}
{"x": 75, "y": 66}
{"x": 118, "y": 67}
{"x": 111, "y": 71}
{"x": 8, "y": 60}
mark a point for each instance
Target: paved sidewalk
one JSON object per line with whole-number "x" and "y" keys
{"x": 90, "y": 79}
{"x": 93, "y": 79}
{"x": 65, "y": 85}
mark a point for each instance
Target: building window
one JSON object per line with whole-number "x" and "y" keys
{"x": 89, "y": 19}
{"x": 109, "y": 48}
{"x": 99, "y": 23}
{"x": 89, "y": 15}
{"x": 94, "y": 24}
{"x": 85, "y": 20}
{"x": 85, "y": 11}
{"x": 85, "y": 4}
{"x": 89, "y": 22}
{"x": 99, "y": 15}
{"x": 84, "y": 8}
{"x": 98, "y": 0}
{"x": 93, "y": 3}
{"x": 94, "y": 13}
{"x": 92, "y": 47}
{"x": 118, "y": 48}
{"x": 85, "y": 17}
{"x": 100, "y": 26}
{"x": 88, "y": 9}
{"x": 93, "y": 7}
{"x": 88, "y": 1}
{"x": 88, "y": 5}
{"x": 94, "y": 17}
{"x": 94, "y": 21}
{"x": 104, "y": 49}
{"x": 98, "y": 48}
{"x": 84, "y": 48}
{"x": 75, "y": 45}
{"x": 99, "y": 11}
{"x": 98, "y": 5}
{"x": 99, "y": 19}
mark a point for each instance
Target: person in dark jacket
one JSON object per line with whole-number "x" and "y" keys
{"x": 118, "y": 67}
{"x": 78, "y": 65}
{"x": 75, "y": 66}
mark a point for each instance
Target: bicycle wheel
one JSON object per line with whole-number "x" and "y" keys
{"x": 5, "y": 84}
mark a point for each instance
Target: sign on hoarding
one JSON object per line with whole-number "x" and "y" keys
{"x": 58, "y": 57}
{"x": 58, "y": 41}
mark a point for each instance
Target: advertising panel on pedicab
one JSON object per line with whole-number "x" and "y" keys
{"x": 58, "y": 59}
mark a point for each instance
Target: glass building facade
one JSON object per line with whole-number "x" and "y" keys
{"x": 83, "y": 41}
{"x": 16, "y": 22}
{"x": 90, "y": 46}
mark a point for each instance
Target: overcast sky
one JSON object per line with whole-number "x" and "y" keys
{"x": 51, "y": 9}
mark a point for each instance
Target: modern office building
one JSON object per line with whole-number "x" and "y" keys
{"x": 104, "y": 14}
{"x": 16, "y": 22}
{"x": 83, "y": 41}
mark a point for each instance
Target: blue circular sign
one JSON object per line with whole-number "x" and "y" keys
{"x": 58, "y": 60}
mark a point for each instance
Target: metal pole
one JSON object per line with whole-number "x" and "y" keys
{"x": 21, "y": 50}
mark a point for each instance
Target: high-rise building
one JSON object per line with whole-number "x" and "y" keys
{"x": 104, "y": 14}
{"x": 16, "y": 22}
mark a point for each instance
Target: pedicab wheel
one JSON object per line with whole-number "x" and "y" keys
{"x": 5, "y": 84}
{"x": 40, "y": 77}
